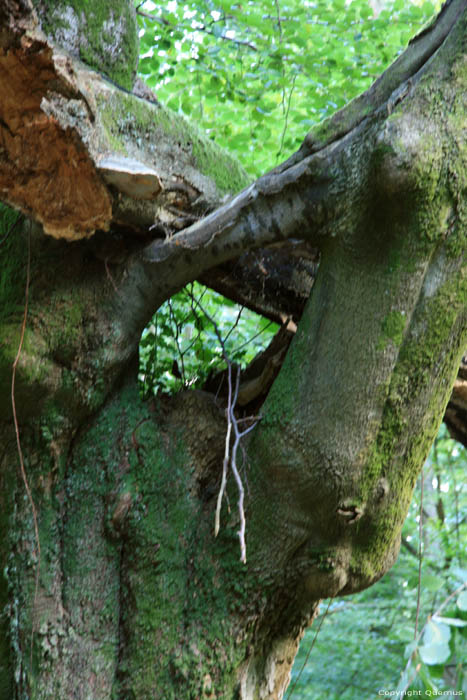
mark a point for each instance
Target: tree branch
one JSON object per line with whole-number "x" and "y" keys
{"x": 388, "y": 87}
{"x": 93, "y": 155}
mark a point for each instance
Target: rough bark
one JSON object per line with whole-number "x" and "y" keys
{"x": 135, "y": 597}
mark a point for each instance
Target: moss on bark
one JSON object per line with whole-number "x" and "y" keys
{"x": 136, "y": 598}
{"x": 102, "y": 34}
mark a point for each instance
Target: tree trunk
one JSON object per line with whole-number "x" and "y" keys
{"x": 114, "y": 584}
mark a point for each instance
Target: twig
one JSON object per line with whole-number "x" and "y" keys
{"x": 233, "y": 327}
{"x": 18, "y": 441}
{"x": 238, "y": 42}
{"x": 279, "y": 22}
{"x": 201, "y": 28}
{"x": 230, "y": 458}
{"x": 177, "y": 336}
{"x": 230, "y": 407}
{"x": 286, "y": 119}
{"x": 447, "y": 600}
{"x": 256, "y": 335}
{"x": 225, "y": 464}
{"x": 420, "y": 554}
{"x": 146, "y": 15}
{"x": 409, "y": 547}
{"x": 238, "y": 479}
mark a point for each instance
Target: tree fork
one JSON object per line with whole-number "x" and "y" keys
{"x": 136, "y": 597}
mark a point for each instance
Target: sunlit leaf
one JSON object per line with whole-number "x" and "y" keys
{"x": 454, "y": 621}
{"x": 462, "y": 601}
{"x": 436, "y": 633}
{"x": 431, "y": 583}
{"x": 434, "y": 653}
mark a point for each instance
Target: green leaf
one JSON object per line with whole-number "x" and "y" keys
{"x": 436, "y": 633}
{"x": 149, "y": 64}
{"x": 435, "y": 653}
{"x": 257, "y": 114}
{"x": 426, "y": 676}
{"x": 460, "y": 574}
{"x": 462, "y": 600}
{"x": 454, "y": 621}
{"x": 431, "y": 583}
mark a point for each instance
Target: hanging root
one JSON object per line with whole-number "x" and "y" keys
{"x": 230, "y": 457}
{"x": 18, "y": 442}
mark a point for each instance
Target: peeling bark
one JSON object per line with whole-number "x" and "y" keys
{"x": 74, "y": 202}
{"x": 456, "y": 411}
{"x": 60, "y": 118}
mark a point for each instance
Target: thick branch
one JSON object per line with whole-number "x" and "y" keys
{"x": 78, "y": 115}
{"x": 389, "y": 88}
{"x": 80, "y": 154}
{"x": 377, "y": 350}
{"x": 312, "y": 195}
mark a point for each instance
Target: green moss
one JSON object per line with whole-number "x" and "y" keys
{"x": 7, "y": 505}
{"x": 405, "y": 436}
{"x": 136, "y": 483}
{"x": 32, "y": 370}
{"x": 381, "y": 152}
{"x": 64, "y": 332}
{"x": 164, "y": 527}
{"x": 13, "y": 260}
{"x": 112, "y": 130}
{"x": 90, "y": 562}
{"x": 6, "y": 674}
{"x": 211, "y": 161}
{"x": 103, "y": 34}
{"x": 392, "y": 329}
{"x": 13, "y": 263}
{"x": 124, "y": 115}
{"x": 441, "y": 170}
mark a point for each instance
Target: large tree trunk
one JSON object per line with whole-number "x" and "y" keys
{"x": 114, "y": 585}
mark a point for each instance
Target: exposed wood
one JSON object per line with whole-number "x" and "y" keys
{"x": 274, "y": 282}
{"x": 45, "y": 171}
{"x": 76, "y": 150}
{"x": 456, "y": 411}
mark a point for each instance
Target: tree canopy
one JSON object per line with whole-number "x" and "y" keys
{"x": 258, "y": 75}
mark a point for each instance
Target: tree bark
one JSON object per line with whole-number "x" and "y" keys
{"x": 114, "y": 584}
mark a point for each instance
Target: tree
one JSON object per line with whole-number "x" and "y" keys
{"x": 114, "y": 584}
{"x": 382, "y": 619}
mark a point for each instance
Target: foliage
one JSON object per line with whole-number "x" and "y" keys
{"x": 370, "y": 636}
{"x": 257, "y": 74}
{"x": 180, "y": 347}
